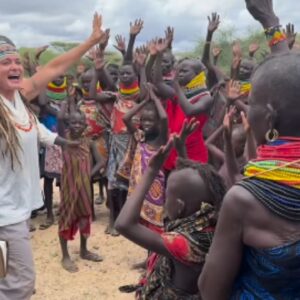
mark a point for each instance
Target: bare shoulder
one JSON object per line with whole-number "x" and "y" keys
{"x": 239, "y": 200}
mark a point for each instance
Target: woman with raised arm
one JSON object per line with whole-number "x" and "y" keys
{"x": 255, "y": 251}
{"x": 20, "y": 132}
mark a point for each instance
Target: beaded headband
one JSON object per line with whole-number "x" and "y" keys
{"x": 6, "y": 49}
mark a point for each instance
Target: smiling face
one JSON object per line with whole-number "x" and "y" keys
{"x": 11, "y": 73}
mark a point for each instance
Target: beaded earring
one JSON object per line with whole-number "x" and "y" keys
{"x": 272, "y": 135}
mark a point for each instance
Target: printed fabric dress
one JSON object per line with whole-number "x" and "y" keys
{"x": 153, "y": 205}
{"x": 76, "y": 193}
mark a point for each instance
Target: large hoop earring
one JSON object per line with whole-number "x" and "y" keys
{"x": 272, "y": 135}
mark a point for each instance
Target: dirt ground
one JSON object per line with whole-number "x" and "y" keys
{"x": 94, "y": 280}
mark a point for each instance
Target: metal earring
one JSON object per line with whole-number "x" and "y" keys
{"x": 272, "y": 135}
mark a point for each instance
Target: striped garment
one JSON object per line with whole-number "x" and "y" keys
{"x": 76, "y": 194}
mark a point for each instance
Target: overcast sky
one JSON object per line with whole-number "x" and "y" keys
{"x": 38, "y": 22}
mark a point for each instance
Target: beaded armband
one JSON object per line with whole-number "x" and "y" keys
{"x": 275, "y": 35}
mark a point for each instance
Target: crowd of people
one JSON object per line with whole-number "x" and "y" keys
{"x": 198, "y": 167}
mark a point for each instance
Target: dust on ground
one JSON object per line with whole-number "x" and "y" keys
{"x": 94, "y": 280}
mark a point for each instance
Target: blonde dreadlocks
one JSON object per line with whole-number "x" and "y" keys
{"x": 9, "y": 140}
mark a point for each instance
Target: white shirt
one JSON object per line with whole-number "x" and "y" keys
{"x": 20, "y": 191}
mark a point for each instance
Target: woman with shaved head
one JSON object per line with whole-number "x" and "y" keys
{"x": 20, "y": 133}
{"x": 256, "y": 249}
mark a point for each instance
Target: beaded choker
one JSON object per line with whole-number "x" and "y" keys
{"x": 197, "y": 82}
{"x": 274, "y": 177}
{"x": 131, "y": 90}
{"x": 246, "y": 87}
{"x": 196, "y": 87}
{"x": 278, "y": 161}
{"x": 275, "y": 35}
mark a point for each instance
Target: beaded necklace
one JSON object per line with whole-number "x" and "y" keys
{"x": 274, "y": 177}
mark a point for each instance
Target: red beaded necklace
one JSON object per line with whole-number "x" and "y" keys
{"x": 28, "y": 127}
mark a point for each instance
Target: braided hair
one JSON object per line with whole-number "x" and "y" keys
{"x": 210, "y": 176}
{"x": 9, "y": 140}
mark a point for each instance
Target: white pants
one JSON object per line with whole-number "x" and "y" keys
{"x": 20, "y": 279}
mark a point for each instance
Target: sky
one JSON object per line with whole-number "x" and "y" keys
{"x": 32, "y": 23}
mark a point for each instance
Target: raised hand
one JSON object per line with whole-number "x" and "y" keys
{"x": 213, "y": 22}
{"x": 121, "y": 43}
{"x": 216, "y": 51}
{"x": 236, "y": 49}
{"x": 188, "y": 128}
{"x": 245, "y": 122}
{"x": 228, "y": 120}
{"x": 262, "y": 11}
{"x": 152, "y": 47}
{"x": 169, "y": 36}
{"x": 161, "y": 45}
{"x": 97, "y": 32}
{"x": 104, "y": 40}
{"x": 140, "y": 56}
{"x": 39, "y": 51}
{"x": 136, "y": 27}
{"x": 158, "y": 159}
{"x": 233, "y": 91}
{"x": 290, "y": 34}
{"x": 253, "y": 48}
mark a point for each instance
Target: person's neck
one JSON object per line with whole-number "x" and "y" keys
{"x": 8, "y": 94}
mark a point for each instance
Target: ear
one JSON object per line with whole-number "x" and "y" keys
{"x": 271, "y": 116}
{"x": 180, "y": 207}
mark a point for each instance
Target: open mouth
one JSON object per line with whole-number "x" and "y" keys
{"x": 14, "y": 78}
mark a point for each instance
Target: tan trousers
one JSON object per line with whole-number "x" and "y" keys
{"x": 20, "y": 279}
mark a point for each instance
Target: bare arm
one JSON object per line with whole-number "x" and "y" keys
{"x": 97, "y": 157}
{"x": 194, "y": 109}
{"x": 163, "y": 118}
{"x": 230, "y": 158}
{"x": 103, "y": 97}
{"x": 250, "y": 147}
{"x": 135, "y": 29}
{"x": 213, "y": 150}
{"x": 35, "y": 84}
{"x": 127, "y": 119}
{"x": 263, "y": 12}
{"x": 225, "y": 255}
{"x": 128, "y": 222}
{"x": 213, "y": 24}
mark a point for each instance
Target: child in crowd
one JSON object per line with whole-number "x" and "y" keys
{"x": 76, "y": 194}
{"x": 152, "y": 134}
